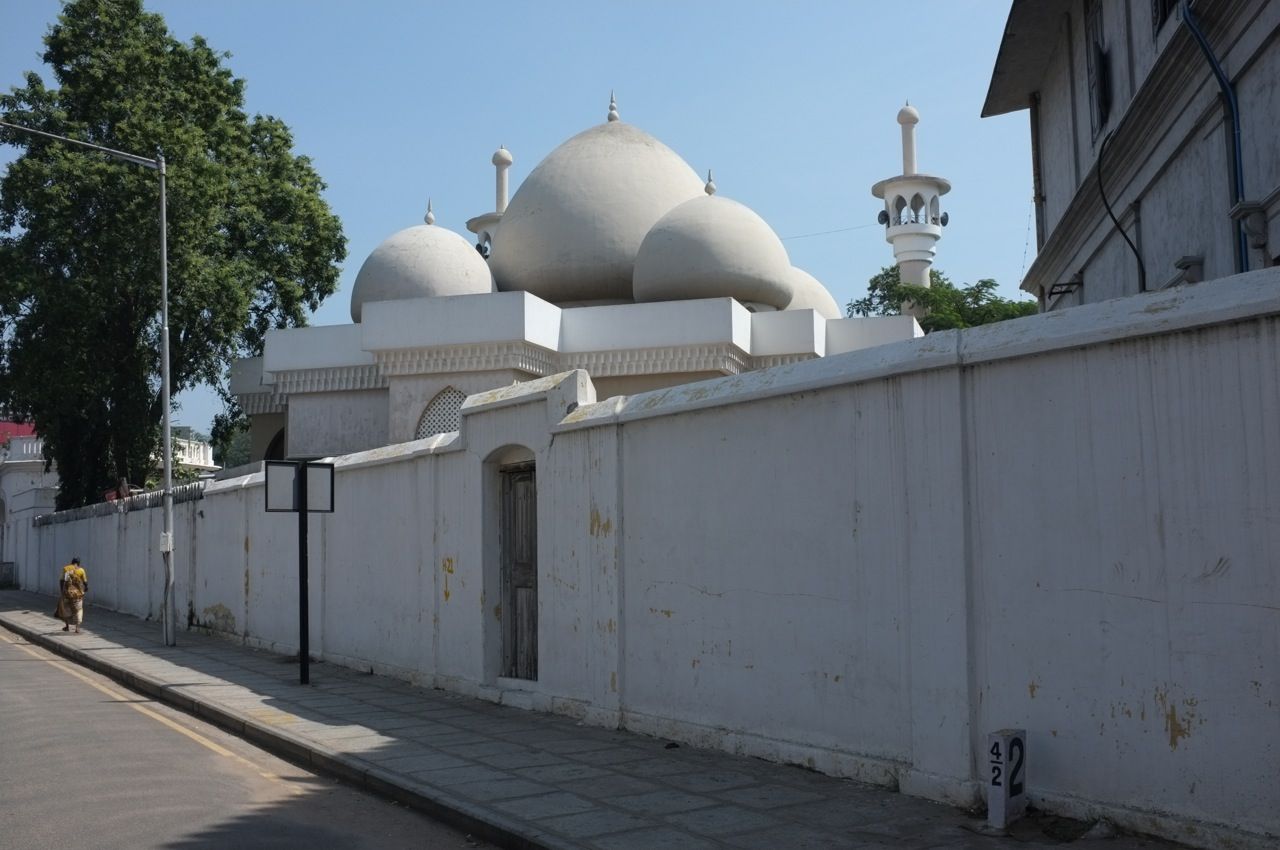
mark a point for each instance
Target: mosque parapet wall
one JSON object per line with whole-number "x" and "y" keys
{"x": 862, "y": 563}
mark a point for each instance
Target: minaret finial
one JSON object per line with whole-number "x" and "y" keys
{"x": 613, "y": 107}
{"x": 430, "y": 217}
{"x": 502, "y": 160}
{"x": 908, "y": 117}
{"x": 710, "y": 188}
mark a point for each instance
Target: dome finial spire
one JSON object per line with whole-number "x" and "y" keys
{"x": 613, "y": 107}
{"x": 710, "y": 188}
{"x": 502, "y": 160}
{"x": 430, "y": 217}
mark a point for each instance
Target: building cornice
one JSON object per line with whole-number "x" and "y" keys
{"x": 329, "y": 379}
{"x": 477, "y": 357}
{"x": 768, "y": 361}
{"x": 721, "y": 357}
{"x": 257, "y": 404}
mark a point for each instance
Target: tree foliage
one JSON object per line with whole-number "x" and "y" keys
{"x": 947, "y": 305}
{"x": 252, "y": 244}
{"x": 233, "y": 446}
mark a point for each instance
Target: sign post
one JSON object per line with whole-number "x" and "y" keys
{"x": 1006, "y": 786}
{"x": 301, "y": 487}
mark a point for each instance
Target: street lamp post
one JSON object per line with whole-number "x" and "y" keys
{"x": 169, "y": 609}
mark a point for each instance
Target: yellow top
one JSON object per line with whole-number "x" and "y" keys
{"x": 74, "y": 573}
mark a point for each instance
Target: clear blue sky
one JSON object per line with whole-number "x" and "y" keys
{"x": 791, "y": 104}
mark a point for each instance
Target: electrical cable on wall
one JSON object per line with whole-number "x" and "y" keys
{"x": 1142, "y": 268}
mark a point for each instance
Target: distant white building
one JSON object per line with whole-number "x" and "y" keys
{"x": 192, "y": 453}
{"x": 25, "y": 487}
{"x": 613, "y": 257}
{"x": 1166, "y": 108}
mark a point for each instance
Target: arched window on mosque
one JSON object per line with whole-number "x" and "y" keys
{"x": 441, "y": 415}
{"x": 917, "y": 209}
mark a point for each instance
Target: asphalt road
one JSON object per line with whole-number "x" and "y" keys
{"x": 87, "y": 763}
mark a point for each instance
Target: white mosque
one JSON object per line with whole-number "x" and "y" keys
{"x": 613, "y": 257}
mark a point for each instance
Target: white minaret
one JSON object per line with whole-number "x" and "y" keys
{"x": 912, "y": 213}
{"x": 484, "y": 226}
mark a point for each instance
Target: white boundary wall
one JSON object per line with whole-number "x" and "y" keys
{"x": 1068, "y": 523}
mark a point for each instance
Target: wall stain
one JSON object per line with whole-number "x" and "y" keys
{"x": 497, "y": 613}
{"x": 563, "y": 583}
{"x": 1032, "y": 687}
{"x": 246, "y": 544}
{"x": 666, "y": 612}
{"x": 1178, "y": 727}
{"x": 446, "y": 566}
{"x": 599, "y": 527}
{"x": 613, "y": 682}
{"x": 219, "y": 618}
{"x": 1218, "y": 569}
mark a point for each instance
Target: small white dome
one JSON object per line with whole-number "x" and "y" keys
{"x": 420, "y": 262}
{"x": 571, "y": 232}
{"x": 810, "y": 294}
{"x": 712, "y": 247}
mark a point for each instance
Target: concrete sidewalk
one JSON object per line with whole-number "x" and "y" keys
{"x": 517, "y": 778}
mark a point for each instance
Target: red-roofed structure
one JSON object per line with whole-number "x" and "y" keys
{"x": 9, "y": 430}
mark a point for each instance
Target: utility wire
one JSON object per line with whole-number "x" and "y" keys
{"x": 1027, "y": 240}
{"x": 828, "y": 232}
{"x": 1142, "y": 267}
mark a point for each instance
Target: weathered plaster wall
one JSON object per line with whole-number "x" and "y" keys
{"x": 323, "y": 423}
{"x": 1125, "y": 595}
{"x": 863, "y": 563}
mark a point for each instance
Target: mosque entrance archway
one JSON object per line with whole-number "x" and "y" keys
{"x": 519, "y": 571}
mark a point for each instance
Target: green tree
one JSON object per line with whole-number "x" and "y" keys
{"x": 252, "y": 244}
{"x": 948, "y": 306}
{"x": 234, "y": 448}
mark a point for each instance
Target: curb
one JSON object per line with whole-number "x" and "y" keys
{"x": 446, "y": 808}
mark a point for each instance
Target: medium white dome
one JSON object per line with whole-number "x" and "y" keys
{"x": 711, "y": 247}
{"x": 810, "y": 294}
{"x": 420, "y": 262}
{"x": 572, "y": 230}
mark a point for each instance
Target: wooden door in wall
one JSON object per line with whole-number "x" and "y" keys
{"x": 519, "y": 572}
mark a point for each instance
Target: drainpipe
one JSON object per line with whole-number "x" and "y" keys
{"x": 1233, "y": 106}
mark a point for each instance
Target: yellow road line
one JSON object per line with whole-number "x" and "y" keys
{"x": 120, "y": 696}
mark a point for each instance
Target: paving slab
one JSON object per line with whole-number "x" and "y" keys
{"x": 512, "y": 777}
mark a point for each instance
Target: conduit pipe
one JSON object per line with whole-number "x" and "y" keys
{"x": 1233, "y": 106}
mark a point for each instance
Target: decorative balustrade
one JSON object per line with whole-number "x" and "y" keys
{"x": 23, "y": 448}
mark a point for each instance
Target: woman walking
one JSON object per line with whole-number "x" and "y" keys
{"x": 73, "y": 586}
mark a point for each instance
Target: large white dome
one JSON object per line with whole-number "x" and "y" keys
{"x": 810, "y": 294}
{"x": 711, "y": 247}
{"x": 420, "y": 262}
{"x": 572, "y": 230}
